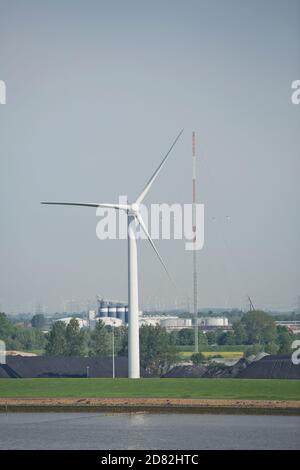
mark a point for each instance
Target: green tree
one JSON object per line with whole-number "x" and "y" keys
{"x": 18, "y": 337}
{"x": 158, "y": 351}
{"x": 197, "y": 358}
{"x": 284, "y": 340}
{"x": 29, "y": 338}
{"x": 211, "y": 337}
{"x": 260, "y": 327}
{"x": 75, "y": 339}
{"x": 202, "y": 340}
{"x": 6, "y": 328}
{"x": 175, "y": 336}
{"x": 38, "y": 321}
{"x": 226, "y": 338}
{"x": 121, "y": 339}
{"x": 123, "y": 348}
{"x": 100, "y": 343}
{"x": 57, "y": 344}
{"x": 271, "y": 348}
{"x": 186, "y": 336}
{"x": 240, "y": 333}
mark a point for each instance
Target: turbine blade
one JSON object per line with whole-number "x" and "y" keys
{"x": 89, "y": 204}
{"x": 142, "y": 224}
{"x": 156, "y": 173}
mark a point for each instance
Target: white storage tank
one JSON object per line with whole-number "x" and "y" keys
{"x": 186, "y": 322}
{"x": 216, "y": 322}
{"x": 176, "y": 323}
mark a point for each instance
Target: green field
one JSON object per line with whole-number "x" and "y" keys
{"x": 210, "y": 354}
{"x": 151, "y": 388}
{"x": 217, "y": 349}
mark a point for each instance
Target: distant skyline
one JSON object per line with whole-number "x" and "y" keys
{"x": 95, "y": 93}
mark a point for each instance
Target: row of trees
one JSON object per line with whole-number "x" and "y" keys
{"x": 71, "y": 340}
{"x": 19, "y": 338}
{"x": 256, "y": 330}
{"x": 157, "y": 348}
{"x": 186, "y": 337}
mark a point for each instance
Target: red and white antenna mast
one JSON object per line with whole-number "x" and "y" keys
{"x": 195, "y": 281}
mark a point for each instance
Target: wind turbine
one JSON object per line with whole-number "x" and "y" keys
{"x": 133, "y": 218}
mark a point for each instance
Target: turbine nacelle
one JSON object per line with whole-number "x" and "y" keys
{"x": 134, "y": 209}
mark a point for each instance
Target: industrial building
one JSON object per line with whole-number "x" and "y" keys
{"x": 82, "y": 323}
{"x": 292, "y": 326}
{"x": 176, "y": 323}
{"x": 109, "y": 321}
{"x": 152, "y": 321}
{"x": 109, "y": 310}
{"x": 168, "y": 322}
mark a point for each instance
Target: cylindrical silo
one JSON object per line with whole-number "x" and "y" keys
{"x": 215, "y": 321}
{"x": 121, "y": 312}
{"x": 103, "y": 310}
{"x": 112, "y": 311}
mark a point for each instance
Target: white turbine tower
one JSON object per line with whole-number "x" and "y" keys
{"x": 133, "y": 217}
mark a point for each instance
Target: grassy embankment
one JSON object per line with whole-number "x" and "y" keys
{"x": 247, "y": 389}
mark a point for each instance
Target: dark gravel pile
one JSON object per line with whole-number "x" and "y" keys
{"x": 268, "y": 367}
{"x": 60, "y": 366}
{"x": 210, "y": 371}
{"x": 271, "y": 367}
{"x": 3, "y": 373}
{"x": 185, "y": 371}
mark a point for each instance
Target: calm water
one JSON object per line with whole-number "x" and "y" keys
{"x": 147, "y": 431}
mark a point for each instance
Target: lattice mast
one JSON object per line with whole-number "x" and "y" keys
{"x": 195, "y": 280}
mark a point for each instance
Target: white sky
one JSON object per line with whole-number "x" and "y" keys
{"x": 96, "y": 92}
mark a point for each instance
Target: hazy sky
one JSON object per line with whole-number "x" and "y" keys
{"x": 96, "y": 92}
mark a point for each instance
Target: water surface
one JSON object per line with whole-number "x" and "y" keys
{"x": 147, "y": 431}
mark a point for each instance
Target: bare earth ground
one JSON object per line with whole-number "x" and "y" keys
{"x": 151, "y": 404}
